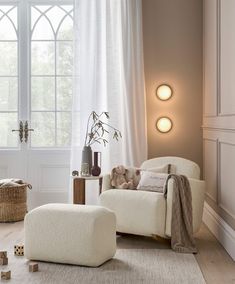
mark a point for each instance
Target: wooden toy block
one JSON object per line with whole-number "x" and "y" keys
{"x": 6, "y": 275}
{"x": 3, "y": 254}
{"x": 4, "y": 261}
{"x": 19, "y": 250}
{"x": 33, "y": 267}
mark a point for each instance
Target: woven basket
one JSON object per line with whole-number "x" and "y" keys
{"x": 13, "y": 203}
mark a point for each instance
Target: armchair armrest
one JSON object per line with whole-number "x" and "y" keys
{"x": 106, "y": 184}
{"x": 198, "y": 196}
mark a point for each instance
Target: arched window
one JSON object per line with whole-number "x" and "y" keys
{"x": 51, "y": 73}
{"x": 36, "y": 68}
{"x": 8, "y": 74}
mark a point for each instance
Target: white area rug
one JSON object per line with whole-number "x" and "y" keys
{"x": 130, "y": 265}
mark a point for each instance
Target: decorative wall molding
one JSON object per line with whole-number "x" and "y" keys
{"x": 46, "y": 185}
{"x": 213, "y": 37}
{"x": 212, "y": 198}
{"x": 3, "y": 171}
{"x": 220, "y": 122}
{"x": 221, "y": 230}
{"x": 217, "y": 129}
{"x": 219, "y": 183}
{"x": 220, "y": 113}
{"x": 218, "y": 62}
{"x": 218, "y": 95}
{"x": 219, "y": 125}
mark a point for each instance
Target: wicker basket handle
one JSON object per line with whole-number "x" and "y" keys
{"x": 29, "y": 185}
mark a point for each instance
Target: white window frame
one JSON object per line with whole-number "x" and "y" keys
{"x": 14, "y": 3}
{"x": 24, "y": 60}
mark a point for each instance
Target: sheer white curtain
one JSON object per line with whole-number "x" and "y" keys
{"x": 109, "y": 76}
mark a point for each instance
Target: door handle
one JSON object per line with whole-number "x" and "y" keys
{"x": 26, "y": 131}
{"x": 20, "y": 130}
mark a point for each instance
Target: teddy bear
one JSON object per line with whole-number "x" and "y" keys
{"x": 133, "y": 174}
{"x": 119, "y": 180}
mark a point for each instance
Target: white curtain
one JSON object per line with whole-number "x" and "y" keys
{"x": 109, "y": 76}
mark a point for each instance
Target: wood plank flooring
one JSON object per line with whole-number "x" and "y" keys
{"x": 216, "y": 265}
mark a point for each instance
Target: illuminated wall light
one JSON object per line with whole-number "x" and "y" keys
{"x": 164, "y": 124}
{"x": 164, "y": 92}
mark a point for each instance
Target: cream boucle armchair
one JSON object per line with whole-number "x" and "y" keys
{"x": 149, "y": 213}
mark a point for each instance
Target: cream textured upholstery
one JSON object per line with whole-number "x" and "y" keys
{"x": 142, "y": 213}
{"x": 182, "y": 166}
{"x": 73, "y": 234}
{"x": 147, "y": 213}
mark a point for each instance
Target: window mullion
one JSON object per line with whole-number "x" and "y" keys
{"x": 56, "y": 92}
{"x": 23, "y": 68}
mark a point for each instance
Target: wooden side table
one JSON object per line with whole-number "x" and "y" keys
{"x": 79, "y": 188}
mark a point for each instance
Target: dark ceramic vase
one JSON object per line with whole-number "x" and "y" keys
{"x": 96, "y": 170}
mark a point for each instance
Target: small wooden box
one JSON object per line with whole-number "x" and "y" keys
{"x": 4, "y": 261}
{"x": 19, "y": 250}
{"x": 6, "y": 275}
{"x": 33, "y": 267}
{"x": 3, "y": 254}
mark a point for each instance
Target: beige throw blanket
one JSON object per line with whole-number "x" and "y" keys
{"x": 10, "y": 182}
{"x": 182, "y": 221}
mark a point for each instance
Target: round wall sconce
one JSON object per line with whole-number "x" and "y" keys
{"x": 164, "y": 124}
{"x": 164, "y": 92}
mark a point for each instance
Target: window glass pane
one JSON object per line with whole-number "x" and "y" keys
{"x": 66, "y": 29}
{"x": 55, "y": 15}
{"x": 8, "y": 58}
{"x": 8, "y": 79}
{"x": 43, "y": 8}
{"x": 63, "y": 129}
{"x": 43, "y": 124}
{"x": 7, "y": 31}
{"x": 8, "y": 94}
{"x": 51, "y": 82}
{"x": 8, "y": 121}
{"x": 43, "y": 58}
{"x": 43, "y": 30}
{"x": 13, "y": 16}
{"x": 65, "y": 58}
{"x": 5, "y": 8}
{"x": 67, "y": 8}
{"x": 35, "y": 14}
{"x": 43, "y": 93}
{"x": 64, "y": 93}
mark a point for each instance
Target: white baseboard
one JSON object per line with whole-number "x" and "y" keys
{"x": 220, "y": 229}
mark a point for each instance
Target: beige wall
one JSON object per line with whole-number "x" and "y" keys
{"x": 172, "y": 31}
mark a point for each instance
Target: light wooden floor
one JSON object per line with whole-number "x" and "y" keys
{"x": 216, "y": 265}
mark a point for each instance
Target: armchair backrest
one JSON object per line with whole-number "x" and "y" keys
{"x": 182, "y": 166}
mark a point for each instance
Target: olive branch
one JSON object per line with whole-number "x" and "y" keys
{"x": 97, "y": 129}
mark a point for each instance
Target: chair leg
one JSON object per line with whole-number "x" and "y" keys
{"x": 160, "y": 239}
{"x": 121, "y": 234}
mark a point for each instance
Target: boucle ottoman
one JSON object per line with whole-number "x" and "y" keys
{"x": 73, "y": 234}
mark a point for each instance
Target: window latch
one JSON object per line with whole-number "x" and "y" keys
{"x": 20, "y": 130}
{"x": 26, "y": 131}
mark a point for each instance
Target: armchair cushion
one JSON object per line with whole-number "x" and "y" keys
{"x": 137, "y": 212}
